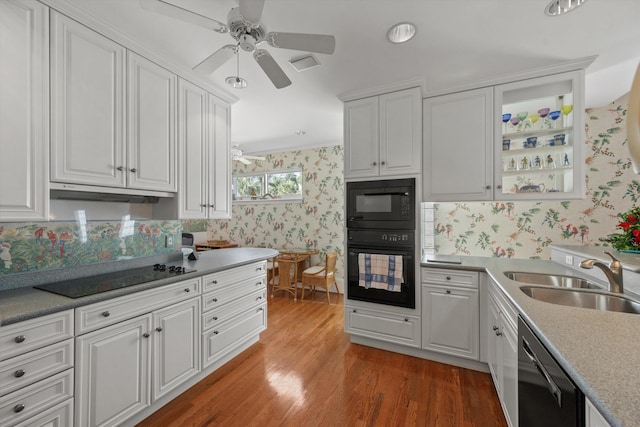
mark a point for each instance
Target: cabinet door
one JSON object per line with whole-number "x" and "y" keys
{"x": 509, "y": 397}
{"x": 87, "y": 106}
{"x": 361, "y": 136}
{"x": 391, "y": 327}
{"x": 112, "y": 372}
{"x": 401, "y": 132}
{"x": 219, "y": 158}
{"x": 494, "y": 345}
{"x": 458, "y": 140}
{"x": 151, "y": 112}
{"x": 450, "y": 322}
{"x": 176, "y": 355}
{"x": 24, "y": 109}
{"x": 192, "y": 143}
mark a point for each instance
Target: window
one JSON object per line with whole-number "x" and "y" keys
{"x": 284, "y": 185}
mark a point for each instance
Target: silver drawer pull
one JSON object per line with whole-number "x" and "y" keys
{"x": 187, "y": 290}
{"x": 215, "y": 332}
{"x": 258, "y": 283}
{"x": 20, "y": 338}
{"x": 214, "y": 300}
{"x": 18, "y": 408}
{"x": 258, "y": 268}
{"x": 146, "y": 335}
{"x": 106, "y": 314}
{"x": 18, "y": 373}
{"x": 258, "y": 299}
{"x": 215, "y": 282}
{"x": 260, "y": 309}
{"x": 159, "y": 329}
{"x": 215, "y": 318}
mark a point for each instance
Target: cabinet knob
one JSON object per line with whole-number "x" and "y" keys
{"x": 258, "y": 299}
{"x": 498, "y": 333}
{"x": 488, "y": 187}
{"x": 215, "y": 282}
{"x": 159, "y": 329}
{"x": 495, "y": 328}
{"x": 120, "y": 168}
{"x": 448, "y": 291}
{"x": 146, "y": 335}
{"x": 258, "y": 283}
{"x": 214, "y": 300}
{"x": 203, "y": 206}
{"x": 382, "y": 163}
{"x": 134, "y": 170}
{"x": 448, "y": 277}
{"x": 499, "y": 187}
{"x": 212, "y": 206}
{"x": 187, "y": 290}
{"x": 215, "y": 332}
{"x": 260, "y": 309}
{"x": 215, "y": 318}
{"x": 406, "y": 319}
{"x": 354, "y": 310}
{"x": 19, "y": 373}
{"x": 375, "y": 164}
{"x": 106, "y": 314}
{"x": 18, "y": 408}
{"x": 20, "y": 338}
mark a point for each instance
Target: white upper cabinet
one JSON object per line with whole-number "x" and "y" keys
{"x": 24, "y": 111}
{"x": 87, "y": 106}
{"x": 151, "y": 108}
{"x": 383, "y": 135}
{"x": 458, "y": 141}
{"x": 219, "y": 158}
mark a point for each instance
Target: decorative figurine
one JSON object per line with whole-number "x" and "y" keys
{"x": 524, "y": 163}
{"x": 550, "y": 161}
{"x": 512, "y": 164}
{"x": 565, "y": 160}
{"x": 537, "y": 161}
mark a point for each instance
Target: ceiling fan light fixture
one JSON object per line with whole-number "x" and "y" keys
{"x": 560, "y": 7}
{"x": 304, "y": 62}
{"x": 402, "y": 32}
{"x": 236, "y": 82}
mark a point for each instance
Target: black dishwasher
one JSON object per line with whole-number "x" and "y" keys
{"x": 546, "y": 395}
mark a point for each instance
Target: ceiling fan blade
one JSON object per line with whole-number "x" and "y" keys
{"x": 251, "y": 10}
{"x": 271, "y": 68}
{"x": 243, "y": 160}
{"x": 173, "y": 11}
{"x": 319, "y": 43}
{"x": 216, "y": 59}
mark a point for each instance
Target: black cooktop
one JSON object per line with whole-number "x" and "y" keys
{"x": 91, "y": 285}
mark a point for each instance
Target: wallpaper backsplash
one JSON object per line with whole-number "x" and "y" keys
{"x": 316, "y": 223}
{"x": 37, "y": 246}
{"x": 525, "y": 229}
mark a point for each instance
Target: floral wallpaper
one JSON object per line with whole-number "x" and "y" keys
{"x": 316, "y": 223}
{"x": 36, "y": 246}
{"x": 525, "y": 229}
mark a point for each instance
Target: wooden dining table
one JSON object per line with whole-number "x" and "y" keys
{"x": 287, "y": 258}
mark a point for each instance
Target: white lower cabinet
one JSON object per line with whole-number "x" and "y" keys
{"x": 502, "y": 351}
{"x": 381, "y": 325}
{"x": 123, "y": 368}
{"x": 451, "y": 312}
{"x": 593, "y": 417}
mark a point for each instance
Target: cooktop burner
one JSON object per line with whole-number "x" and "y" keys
{"x": 91, "y": 285}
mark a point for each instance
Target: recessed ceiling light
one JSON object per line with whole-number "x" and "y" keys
{"x": 401, "y": 32}
{"x": 560, "y": 7}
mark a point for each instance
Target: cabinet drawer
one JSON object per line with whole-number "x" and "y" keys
{"x": 391, "y": 327}
{"x": 26, "y": 369}
{"x": 60, "y": 415}
{"x": 219, "y": 297}
{"x": 35, "y": 333}
{"x": 31, "y": 400}
{"x": 221, "y": 314}
{"x": 99, "y": 315}
{"x": 225, "y": 278}
{"x": 467, "y": 279}
{"x": 225, "y": 337}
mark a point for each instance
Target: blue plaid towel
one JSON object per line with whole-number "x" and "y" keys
{"x": 380, "y": 271}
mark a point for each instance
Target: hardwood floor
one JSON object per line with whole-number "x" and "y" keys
{"x": 305, "y": 372}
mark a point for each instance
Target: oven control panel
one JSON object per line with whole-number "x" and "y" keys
{"x": 381, "y": 237}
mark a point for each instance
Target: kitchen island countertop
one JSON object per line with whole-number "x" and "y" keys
{"x": 600, "y": 350}
{"x": 26, "y": 302}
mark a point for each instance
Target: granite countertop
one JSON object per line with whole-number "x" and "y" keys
{"x": 600, "y": 350}
{"x": 25, "y": 302}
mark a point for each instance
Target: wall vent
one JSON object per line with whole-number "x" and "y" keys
{"x": 304, "y": 62}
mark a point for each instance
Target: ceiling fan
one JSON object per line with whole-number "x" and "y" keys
{"x": 236, "y": 154}
{"x": 244, "y": 26}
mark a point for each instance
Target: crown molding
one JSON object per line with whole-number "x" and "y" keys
{"x": 394, "y": 87}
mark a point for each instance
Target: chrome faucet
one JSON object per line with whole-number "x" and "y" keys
{"x": 613, "y": 271}
{"x": 266, "y": 195}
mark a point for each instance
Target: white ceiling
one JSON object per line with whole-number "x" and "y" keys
{"x": 458, "y": 42}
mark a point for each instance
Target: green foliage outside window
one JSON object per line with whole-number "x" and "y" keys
{"x": 286, "y": 185}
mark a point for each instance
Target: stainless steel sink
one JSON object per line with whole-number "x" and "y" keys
{"x": 580, "y": 298}
{"x": 558, "y": 280}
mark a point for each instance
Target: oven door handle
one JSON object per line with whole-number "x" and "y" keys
{"x": 551, "y": 385}
{"x": 384, "y": 193}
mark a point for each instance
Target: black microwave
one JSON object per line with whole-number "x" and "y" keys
{"x": 384, "y": 205}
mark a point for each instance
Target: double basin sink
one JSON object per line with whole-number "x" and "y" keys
{"x": 571, "y": 291}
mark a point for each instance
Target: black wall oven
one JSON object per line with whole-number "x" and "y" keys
{"x": 385, "y": 204}
{"x": 381, "y": 221}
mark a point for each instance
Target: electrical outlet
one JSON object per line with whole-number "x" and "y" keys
{"x": 169, "y": 240}
{"x": 568, "y": 259}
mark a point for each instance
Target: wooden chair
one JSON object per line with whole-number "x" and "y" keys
{"x": 321, "y": 276}
{"x": 284, "y": 277}
{"x": 272, "y": 273}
